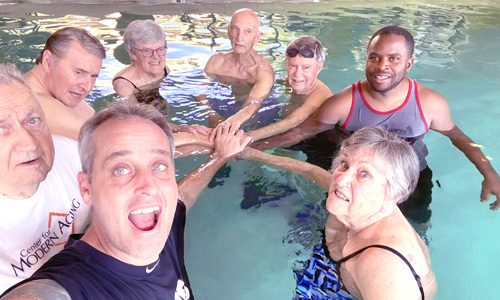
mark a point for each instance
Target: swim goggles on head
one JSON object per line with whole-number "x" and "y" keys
{"x": 304, "y": 51}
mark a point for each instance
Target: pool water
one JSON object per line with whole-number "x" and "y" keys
{"x": 235, "y": 253}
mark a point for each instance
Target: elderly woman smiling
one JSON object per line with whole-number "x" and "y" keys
{"x": 378, "y": 253}
{"x": 140, "y": 81}
{"x": 370, "y": 249}
{"x": 145, "y": 43}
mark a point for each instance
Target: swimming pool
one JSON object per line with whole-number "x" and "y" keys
{"x": 249, "y": 254}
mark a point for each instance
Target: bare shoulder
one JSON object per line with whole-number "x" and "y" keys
{"x": 430, "y": 97}
{"x": 336, "y": 108}
{"x": 321, "y": 91}
{"x": 43, "y": 289}
{"x": 265, "y": 66}
{"x": 122, "y": 86}
{"x": 215, "y": 62}
{"x": 380, "y": 274}
{"x": 263, "y": 71}
{"x": 435, "y": 108}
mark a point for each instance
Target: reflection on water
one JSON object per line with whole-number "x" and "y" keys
{"x": 456, "y": 43}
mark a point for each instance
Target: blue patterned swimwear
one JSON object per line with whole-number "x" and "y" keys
{"x": 320, "y": 279}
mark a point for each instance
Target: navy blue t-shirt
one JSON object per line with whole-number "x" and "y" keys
{"x": 87, "y": 273}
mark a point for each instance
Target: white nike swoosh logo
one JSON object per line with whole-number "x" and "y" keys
{"x": 148, "y": 270}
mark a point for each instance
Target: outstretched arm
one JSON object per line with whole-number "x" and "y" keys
{"x": 311, "y": 104}
{"x": 305, "y": 130}
{"x": 333, "y": 111}
{"x": 314, "y": 173}
{"x": 229, "y": 141}
{"x": 263, "y": 85}
{"x": 491, "y": 182}
{"x": 43, "y": 289}
{"x": 438, "y": 115}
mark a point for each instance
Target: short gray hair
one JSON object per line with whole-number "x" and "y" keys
{"x": 59, "y": 42}
{"x": 401, "y": 162}
{"x": 142, "y": 32}
{"x": 310, "y": 42}
{"x": 9, "y": 74}
{"x": 117, "y": 110}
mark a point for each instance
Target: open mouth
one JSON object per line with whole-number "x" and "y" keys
{"x": 145, "y": 219}
{"x": 76, "y": 95}
{"x": 382, "y": 76}
{"x": 341, "y": 196}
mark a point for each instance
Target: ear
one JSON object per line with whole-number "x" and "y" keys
{"x": 257, "y": 38}
{"x": 84, "y": 186}
{"x": 409, "y": 64}
{"x": 133, "y": 55}
{"x": 319, "y": 67}
{"x": 48, "y": 59}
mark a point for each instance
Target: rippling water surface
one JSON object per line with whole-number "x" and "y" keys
{"x": 235, "y": 253}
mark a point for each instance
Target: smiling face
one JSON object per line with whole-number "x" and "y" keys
{"x": 243, "y": 31}
{"x": 152, "y": 65}
{"x": 388, "y": 62}
{"x": 70, "y": 79}
{"x": 302, "y": 73}
{"x": 133, "y": 190}
{"x": 26, "y": 151}
{"x": 358, "y": 188}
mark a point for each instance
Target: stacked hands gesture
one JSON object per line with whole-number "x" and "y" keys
{"x": 229, "y": 140}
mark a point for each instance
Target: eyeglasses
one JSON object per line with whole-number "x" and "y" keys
{"x": 304, "y": 51}
{"x": 146, "y": 52}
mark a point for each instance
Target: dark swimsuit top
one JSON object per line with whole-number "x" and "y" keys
{"x": 150, "y": 95}
{"x": 417, "y": 278}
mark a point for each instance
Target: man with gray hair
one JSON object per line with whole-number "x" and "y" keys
{"x": 40, "y": 204}
{"x": 134, "y": 246}
{"x": 305, "y": 58}
{"x": 64, "y": 74}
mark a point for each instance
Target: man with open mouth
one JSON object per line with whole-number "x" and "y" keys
{"x": 134, "y": 246}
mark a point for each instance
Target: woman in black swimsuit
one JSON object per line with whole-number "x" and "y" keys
{"x": 378, "y": 253}
{"x": 140, "y": 81}
{"x": 145, "y": 42}
{"x": 370, "y": 249}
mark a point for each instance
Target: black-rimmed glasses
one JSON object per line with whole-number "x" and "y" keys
{"x": 146, "y": 52}
{"x": 304, "y": 51}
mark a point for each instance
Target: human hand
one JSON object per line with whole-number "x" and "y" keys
{"x": 233, "y": 123}
{"x": 229, "y": 140}
{"x": 491, "y": 185}
{"x": 199, "y": 129}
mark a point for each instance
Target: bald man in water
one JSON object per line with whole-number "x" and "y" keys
{"x": 244, "y": 63}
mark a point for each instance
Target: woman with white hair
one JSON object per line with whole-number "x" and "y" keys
{"x": 140, "y": 81}
{"x": 370, "y": 250}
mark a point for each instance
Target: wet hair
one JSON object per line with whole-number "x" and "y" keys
{"x": 400, "y": 161}
{"x": 396, "y": 30}
{"x": 120, "y": 110}
{"x": 142, "y": 32}
{"x": 309, "y": 42}
{"x": 59, "y": 42}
